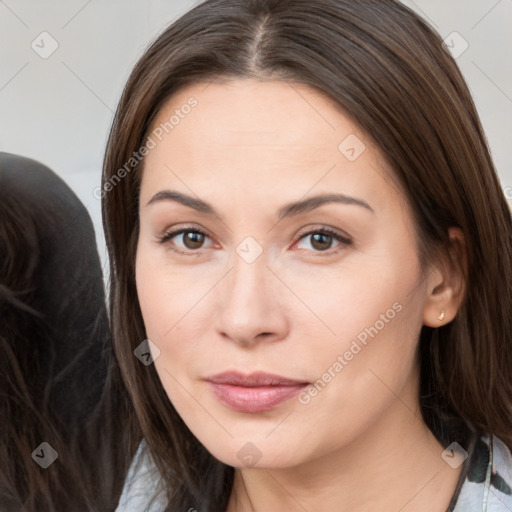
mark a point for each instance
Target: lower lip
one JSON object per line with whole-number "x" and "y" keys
{"x": 254, "y": 399}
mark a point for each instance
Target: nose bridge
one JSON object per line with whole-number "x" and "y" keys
{"x": 249, "y": 305}
{"x": 248, "y": 281}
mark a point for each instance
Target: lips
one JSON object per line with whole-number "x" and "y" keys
{"x": 255, "y": 392}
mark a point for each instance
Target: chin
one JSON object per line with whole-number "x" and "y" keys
{"x": 258, "y": 453}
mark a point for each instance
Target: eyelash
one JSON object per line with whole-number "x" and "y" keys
{"x": 166, "y": 237}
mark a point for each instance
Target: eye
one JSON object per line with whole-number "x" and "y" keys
{"x": 192, "y": 240}
{"x": 321, "y": 239}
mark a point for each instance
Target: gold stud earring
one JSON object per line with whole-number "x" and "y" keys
{"x": 441, "y": 316}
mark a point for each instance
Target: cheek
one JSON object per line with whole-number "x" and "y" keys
{"x": 374, "y": 318}
{"x": 169, "y": 299}
{"x": 151, "y": 297}
{"x": 164, "y": 295}
{"x": 160, "y": 310}
{"x": 155, "y": 302}
{"x": 370, "y": 299}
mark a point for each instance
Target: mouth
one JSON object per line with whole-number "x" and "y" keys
{"x": 256, "y": 392}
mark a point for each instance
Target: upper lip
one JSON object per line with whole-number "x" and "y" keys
{"x": 253, "y": 379}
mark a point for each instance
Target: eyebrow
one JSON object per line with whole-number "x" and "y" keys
{"x": 288, "y": 210}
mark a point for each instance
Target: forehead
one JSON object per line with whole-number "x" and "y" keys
{"x": 271, "y": 135}
{"x": 249, "y": 112}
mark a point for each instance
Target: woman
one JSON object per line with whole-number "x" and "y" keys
{"x": 311, "y": 285}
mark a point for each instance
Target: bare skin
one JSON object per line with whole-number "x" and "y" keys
{"x": 359, "y": 443}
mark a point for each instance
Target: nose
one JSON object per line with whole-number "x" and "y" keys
{"x": 251, "y": 309}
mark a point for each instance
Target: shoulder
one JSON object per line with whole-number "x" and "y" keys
{"x": 143, "y": 491}
{"x": 488, "y": 483}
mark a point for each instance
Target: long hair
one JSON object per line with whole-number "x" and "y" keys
{"x": 388, "y": 70}
{"x": 55, "y": 382}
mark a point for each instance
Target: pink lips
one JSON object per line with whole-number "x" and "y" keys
{"x": 256, "y": 392}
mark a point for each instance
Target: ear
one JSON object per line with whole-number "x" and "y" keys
{"x": 447, "y": 282}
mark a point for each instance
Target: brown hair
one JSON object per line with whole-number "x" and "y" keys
{"x": 388, "y": 70}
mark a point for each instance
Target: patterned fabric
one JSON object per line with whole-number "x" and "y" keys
{"x": 488, "y": 478}
{"x": 485, "y": 483}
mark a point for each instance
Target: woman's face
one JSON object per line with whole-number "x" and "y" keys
{"x": 253, "y": 284}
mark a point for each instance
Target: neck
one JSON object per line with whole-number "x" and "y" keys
{"x": 395, "y": 465}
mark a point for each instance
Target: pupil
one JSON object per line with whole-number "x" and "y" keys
{"x": 316, "y": 237}
{"x": 192, "y": 238}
